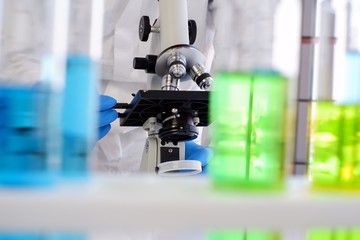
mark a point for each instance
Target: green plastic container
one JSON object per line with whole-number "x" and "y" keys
{"x": 334, "y": 153}
{"x": 248, "y": 111}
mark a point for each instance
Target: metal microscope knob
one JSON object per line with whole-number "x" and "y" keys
{"x": 144, "y": 28}
{"x": 192, "y": 31}
{"x": 147, "y": 64}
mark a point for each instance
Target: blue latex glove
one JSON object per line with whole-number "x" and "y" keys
{"x": 194, "y": 151}
{"x": 107, "y": 115}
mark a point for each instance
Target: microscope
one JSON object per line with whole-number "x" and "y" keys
{"x": 169, "y": 115}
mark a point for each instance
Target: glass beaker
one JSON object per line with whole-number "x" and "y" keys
{"x": 334, "y": 142}
{"x": 255, "y": 65}
{"x": 31, "y": 74}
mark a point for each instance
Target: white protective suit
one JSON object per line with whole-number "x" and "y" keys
{"x": 120, "y": 151}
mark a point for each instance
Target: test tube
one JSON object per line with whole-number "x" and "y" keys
{"x": 255, "y": 69}
{"x": 334, "y": 144}
{"x": 79, "y": 118}
{"x": 30, "y": 76}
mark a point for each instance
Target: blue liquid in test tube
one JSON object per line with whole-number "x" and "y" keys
{"x": 79, "y": 115}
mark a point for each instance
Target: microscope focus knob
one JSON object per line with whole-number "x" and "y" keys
{"x": 144, "y": 28}
{"x": 192, "y": 31}
{"x": 147, "y": 64}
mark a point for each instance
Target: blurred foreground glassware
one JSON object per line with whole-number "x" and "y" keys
{"x": 31, "y": 73}
{"x": 255, "y": 67}
{"x": 249, "y": 114}
{"x": 334, "y": 151}
{"x": 335, "y": 146}
{"x": 80, "y": 99}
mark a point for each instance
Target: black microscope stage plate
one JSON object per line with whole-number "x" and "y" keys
{"x": 152, "y": 102}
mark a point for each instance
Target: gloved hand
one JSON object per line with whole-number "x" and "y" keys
{"x": 107, "y": 115}
{"x": 194, "y": 151}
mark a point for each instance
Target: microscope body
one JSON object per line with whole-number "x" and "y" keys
{"x": 169, "y": 115}
{"x": 164, "y": 157}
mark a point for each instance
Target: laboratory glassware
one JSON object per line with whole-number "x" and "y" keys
{"x": 255, "y": 69}
{"x": 31, "y": 73}
{"x": 80, "y": 97}
{"x": 334, "y": 143}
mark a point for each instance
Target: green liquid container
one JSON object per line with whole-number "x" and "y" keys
{"x": 248, "y": 111}
{"x": 334, "y": 153}
{"x": 333, "y": 234}
{"x": 244, "y": 235}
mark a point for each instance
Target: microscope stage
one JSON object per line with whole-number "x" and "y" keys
{"x": 150, "y": 103}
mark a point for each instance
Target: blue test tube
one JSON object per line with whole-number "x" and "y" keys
{"x": 79, "y": 108}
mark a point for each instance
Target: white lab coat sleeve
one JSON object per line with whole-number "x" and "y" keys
{"x": 24, "y": 38}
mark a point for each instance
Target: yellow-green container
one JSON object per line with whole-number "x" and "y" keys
{"x": 334, "y": 153}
